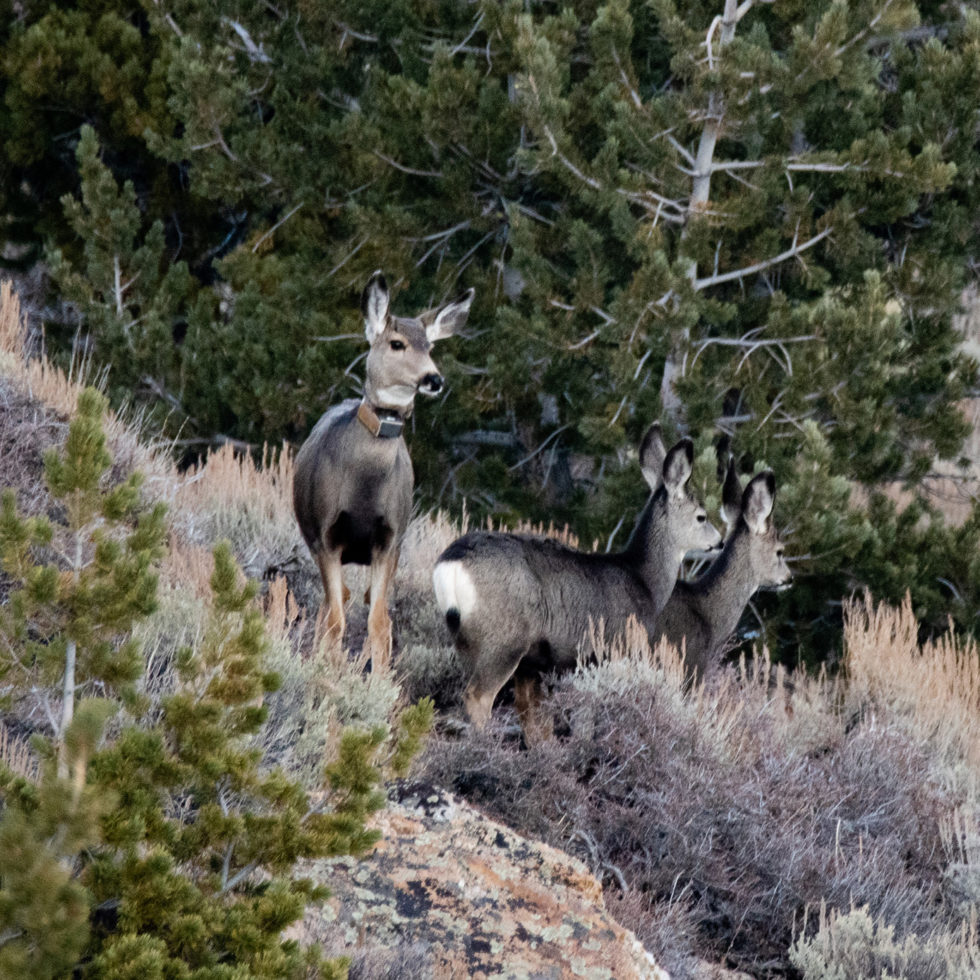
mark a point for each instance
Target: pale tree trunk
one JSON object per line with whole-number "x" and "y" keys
{"x": 701, "y": 190}
{"x": 68, "y": 680}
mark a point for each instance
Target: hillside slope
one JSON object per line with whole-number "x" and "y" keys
{"x": 465, "y": 896}
{"x": 779, "y": 825}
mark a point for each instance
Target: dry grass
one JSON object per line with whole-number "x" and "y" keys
{"x": 230, "y": 496}
{"x": 49, "y": 388}
{"x": 16, "y": 754}
{"x": 933, "y": 691}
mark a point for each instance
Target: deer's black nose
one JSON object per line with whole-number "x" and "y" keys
{"x": 431, "y": 384}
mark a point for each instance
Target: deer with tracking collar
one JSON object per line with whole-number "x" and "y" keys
{"x": 701, "y": 615}
{"x": 521, "y": 606}
{"x": 352, "y": 490}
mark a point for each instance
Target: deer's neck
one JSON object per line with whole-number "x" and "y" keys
{"x": 652, "y": 550}
{"x": 725, "y": 588}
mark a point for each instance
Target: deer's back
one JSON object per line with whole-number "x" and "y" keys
{"x": 533, "y": 591}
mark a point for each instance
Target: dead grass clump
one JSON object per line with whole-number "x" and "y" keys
{"x": 322, "y": 690}
{"x": 231, "y": 497}
{"x": 407, "y": 961}
{"x": 426, "y": 670}
{"x": 16, "y": 754}
{"x": 426, "y": 537}
{"x": 50, "y": 390}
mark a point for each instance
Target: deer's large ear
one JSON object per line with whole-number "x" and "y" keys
{"x": 450, "y": 318}
{"x": 731, "y": 496}
{"x": 374, "y": 306}
{"x": 758, "y": 500}
{"x": 652, "y": 454}
{"x": 678, "y": 466}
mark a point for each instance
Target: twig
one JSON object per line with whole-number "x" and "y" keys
{"x": 278, "y": 224}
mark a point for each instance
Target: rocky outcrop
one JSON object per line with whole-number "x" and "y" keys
{"x": 448, "y": 893}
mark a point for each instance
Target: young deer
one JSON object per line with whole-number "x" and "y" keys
{"x": 352, "y": 492}
{"x": 702, "y": 615}
{"x": 525, "y": 604}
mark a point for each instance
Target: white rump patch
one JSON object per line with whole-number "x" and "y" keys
{"x": 454, "y": 588}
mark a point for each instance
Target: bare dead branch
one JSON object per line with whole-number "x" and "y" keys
{"x": 749, "y": 270}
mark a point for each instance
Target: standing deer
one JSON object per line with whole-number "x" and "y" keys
{"x": 352, "y": 491}
{"x": 520, "y": 604}
{"x": 702, "y": 615}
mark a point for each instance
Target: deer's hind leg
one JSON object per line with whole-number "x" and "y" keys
{"x": 494, "y": 666}
{"x": 536, "y": 723}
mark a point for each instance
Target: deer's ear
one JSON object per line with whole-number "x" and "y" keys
{"x": 678, "y": 466}
{"x": 758, "y": 500}
{"x": 731, "y": 495}
{"x": 374, "y": 306}
{"x": 450, "y": 318}
{"x": 652, "y": 454}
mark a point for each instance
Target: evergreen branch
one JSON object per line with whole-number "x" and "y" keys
{"x": 750, "y": 344}
{"x": 347, "y": 259}
{"x": 466, "y": 40}
{"x": 544, "y": 443}
{"x": 439, "y": 235}
{"x": 682, "y": 150}
{"x": 642, "y": 198}
{"x": 865, "y": 31}
{"x": 45, "y": 703}
{"x": 589, "y": 181}
{"x": 357, "y": 35}
{"x": 278, "y": 224}
{"x": 749, "y": 270}
{"x": 634, "y": 95}
{"x": 406, "y": 169}
{"x": 585, "y": 340}
{"x": 238, "y": 878}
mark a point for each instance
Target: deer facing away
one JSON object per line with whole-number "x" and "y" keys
{"x": 701, "y": 615}
{"x": 352, "y": 491}
{"x": 521, "y": 604}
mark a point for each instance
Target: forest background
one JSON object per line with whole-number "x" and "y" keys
{"x": 753, "y": 221}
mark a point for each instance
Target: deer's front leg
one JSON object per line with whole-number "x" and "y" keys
{"x": 379, "y": 622}
{"x": 331, "y": 572}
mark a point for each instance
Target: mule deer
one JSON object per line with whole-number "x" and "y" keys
{"x": 701, "y": 615}
{"x": 352, "y": 491}
{"x": 523, "y": 605}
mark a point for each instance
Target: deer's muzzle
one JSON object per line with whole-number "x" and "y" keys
{"x": 431, "y": 384}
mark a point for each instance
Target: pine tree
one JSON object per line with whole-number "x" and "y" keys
{"x": 81, "y": 585}
{"x": 130, "y": 297}
{"x": 159, "y": 845}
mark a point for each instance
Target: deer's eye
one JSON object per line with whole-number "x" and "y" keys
{"x": 702, "y": 518}
{"x": 779, "y": 553}
{"x": 398, "y": 345}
